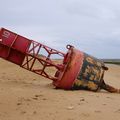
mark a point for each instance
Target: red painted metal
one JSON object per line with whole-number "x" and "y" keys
{"x": 28, "y": 54}
{"x": 75, "y": 70}
{"x": 68, "y": 75}
{"x": 12, "y": 46}
{"x": 34, "y": 55}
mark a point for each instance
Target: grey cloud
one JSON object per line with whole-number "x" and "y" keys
{"x": 91, "y": 26}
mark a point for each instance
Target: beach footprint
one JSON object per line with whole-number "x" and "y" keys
{"x": 97, "y": 111}
{"x": 85, "y": 114}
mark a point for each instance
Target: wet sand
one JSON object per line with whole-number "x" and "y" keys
{"x": 28, "y": 96}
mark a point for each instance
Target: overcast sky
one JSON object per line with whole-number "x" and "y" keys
{"x": 92, "y": 26}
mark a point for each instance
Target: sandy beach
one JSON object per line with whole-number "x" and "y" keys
{"x": 28, "y": 96}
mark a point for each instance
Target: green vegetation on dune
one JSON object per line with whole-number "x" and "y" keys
{"x": 112, "y": 61}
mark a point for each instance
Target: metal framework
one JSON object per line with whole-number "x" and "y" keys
{"x": 34, "y": 56}
{"x": 30, "y": 54}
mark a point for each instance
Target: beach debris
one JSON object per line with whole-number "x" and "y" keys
{"x": 70, "y": 107}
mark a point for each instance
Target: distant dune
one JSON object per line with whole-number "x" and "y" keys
{"x": 111, "y": 61}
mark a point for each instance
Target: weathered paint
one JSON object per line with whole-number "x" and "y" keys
{"x": 82, "y": 71}
{"x": 91, "y": 75}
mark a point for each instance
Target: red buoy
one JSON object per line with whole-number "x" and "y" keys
{"x": 76, "y": 69}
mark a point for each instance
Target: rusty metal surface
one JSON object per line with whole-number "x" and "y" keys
{"x": 90, "y": 76}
